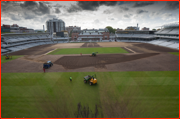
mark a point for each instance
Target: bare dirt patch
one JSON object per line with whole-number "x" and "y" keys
{"x": 161, "y": 62}
{"x": 90, "y": 45}
{"x": 73, "y": 62}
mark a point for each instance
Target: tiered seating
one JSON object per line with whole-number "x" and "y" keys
{"x": 168, "y": 31}
{"x": 158, "y": 42}
{"x": 12, "y": 43}
{"x": 135, "y": 35}
{"x": 175, "y": 45}
{"x": 174, "y": 31}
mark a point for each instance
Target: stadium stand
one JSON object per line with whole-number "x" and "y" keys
{"x": 168, "y": 36}
{"x": 18, "y": 41}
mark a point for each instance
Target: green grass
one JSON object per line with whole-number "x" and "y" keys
{"x": 3, "y": 60}
{"x": 88, "y": 50}
{"x": 150, "y": 94}
{"x": 175, "y": 53}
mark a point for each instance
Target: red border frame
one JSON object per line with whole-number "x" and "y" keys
{"x": 89, "y": 0}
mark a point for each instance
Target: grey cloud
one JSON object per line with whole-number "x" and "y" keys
{"x": 7, "y": 6}
{"x": 47, "y": 17}
{"x": 14, "y": 17}
{"x": 93, "y": 5}
{"x": 124, "y": 8}
{"x": 108, "y": 3}
{"x": 57, "y": 11}
{"x": 140, "y": 11}
{"x": 143, "y": 3}
{"x": 46, "y": 2}
{"x": 111, "y": 19}
{"x": 107, "y": 12}
{"x": 57, "y": 5}
{"x": 29, "y": 5}
{"x": 127, "y": 16}
{"x": 167, "y": 16}
{"x": 44, "y": 8}
{"x": 172, "y": 5}
{"x": 29, "y": 15}
{"x": 96, "y": 21}
{"x": 39, "y": 9}
{"x": 73, "y": 8}
{"x": 9, "y": 9}
{"x": 153, "y": 14}
{"x": 90, "y": 5}
{"x": 27, "y": 9}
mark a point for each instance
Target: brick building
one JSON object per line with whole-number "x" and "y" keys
{"x": 90, "y": 34}
{"x": 145, "y": 29}
{"x": 70, "y": 28}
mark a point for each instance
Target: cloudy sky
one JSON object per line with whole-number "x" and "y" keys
{"x": 90, "y": 14}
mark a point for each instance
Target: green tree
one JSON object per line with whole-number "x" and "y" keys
{"x": 111, "y": 30}
{"x": 154, "y": 29}
{"x": 70, "y": 33}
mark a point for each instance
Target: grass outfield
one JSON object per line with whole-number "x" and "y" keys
{"x": 147, "y": 94}
{"x": 88, "y": 50}
{"x": 3, "y": 60}
{"x": 175, "y": 53}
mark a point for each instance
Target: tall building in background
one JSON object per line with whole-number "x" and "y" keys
{"x": 55, "y": 25}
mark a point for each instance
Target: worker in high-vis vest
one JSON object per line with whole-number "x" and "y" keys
{"x": 70, "y": 78}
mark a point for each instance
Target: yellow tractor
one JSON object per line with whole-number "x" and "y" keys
{"x": 8, "y": 57}
{"x": 90, "y": 79}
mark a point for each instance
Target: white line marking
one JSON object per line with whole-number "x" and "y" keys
{"x": 49, "y": 52}
{"x": 130, "y": 50}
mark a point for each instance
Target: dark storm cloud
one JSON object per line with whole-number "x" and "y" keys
{"x": 57, "y": 11}
{"x": 39, "y": 9}
{"x": 90, "y": 5}
{"x": 143, "y": 3}
{"x": 44, "y": 8}
{"x": 93, "y": 5}
{"x": 140, "y": 11}
{"x": 172, "y": 5}
{"x": 29, "y": 5}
